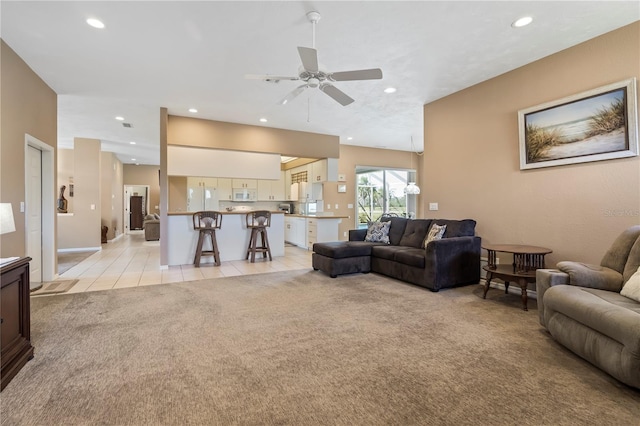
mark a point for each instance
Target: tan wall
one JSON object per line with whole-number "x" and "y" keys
{"x": 350, "y": 157}
{"x": 472, "y": 164}
{"x": 145, "y": 175}
{"x": 28, "y": 106}
{"x": 222, "y": 135}
{"x": 65, "y": 175}
{"x": 111, "y": 194}
{"x": 177, "y": 193}
{"x": 81, "y": 230}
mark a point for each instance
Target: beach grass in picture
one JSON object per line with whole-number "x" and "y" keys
{"x": 592, "y": 126}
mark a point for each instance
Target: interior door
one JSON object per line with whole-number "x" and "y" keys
{"x": 34, "y": 213}
{"x": 135, "y": 205}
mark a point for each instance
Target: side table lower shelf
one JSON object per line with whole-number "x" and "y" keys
{"x": 506, "y": 274}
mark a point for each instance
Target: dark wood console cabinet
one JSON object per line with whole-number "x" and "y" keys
{"x": 15, "y": 319}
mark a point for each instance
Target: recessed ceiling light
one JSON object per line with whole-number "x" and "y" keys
{"x": 390, "y": 90}
{"x": 525, "y": 20}
{"x": 193, "y": 110}
{"x": 263, "y": 120}
{"x": 349, "y": 138}
{"x": 120, "y": 118}
{"x": 133, "y": 159}
{"x": 137, "y": 164}
{"x": 132, "y": 143}
{"x": 95, "y": 23}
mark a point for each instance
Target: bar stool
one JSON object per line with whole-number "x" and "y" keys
{"x": 258, "y": 221}
{"x": 206, "y": 222}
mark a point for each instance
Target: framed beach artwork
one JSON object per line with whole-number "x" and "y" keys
{"x": 600, "y": 124}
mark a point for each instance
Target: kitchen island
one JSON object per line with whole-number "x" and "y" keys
{"x": 305, "y": 230}
{"x": 232, "y": 237}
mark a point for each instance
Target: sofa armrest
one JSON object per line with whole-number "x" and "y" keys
{"x": 452, "y": 261}
{"x": 592, "y": 276}
{"x": 357, "y": 234}
{"x": 545, "y": 279}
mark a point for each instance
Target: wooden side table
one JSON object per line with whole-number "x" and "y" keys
{"x": 526, "y": 259}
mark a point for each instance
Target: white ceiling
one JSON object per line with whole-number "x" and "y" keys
{"x": 195, "y": 54}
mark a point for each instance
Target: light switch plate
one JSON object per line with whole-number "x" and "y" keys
{"x": 433, "y": 206}
{"x": 349, "y": 206}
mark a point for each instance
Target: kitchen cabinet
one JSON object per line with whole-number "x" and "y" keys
{"x": 293, "y": 190}
{"x": 321, "y": 231}
{"x": 271, "y": 190}
{"x": 295, "y": 229}
{"x": 305, "y": 192}
{"x": 244, "y": 183}
{"x": 324, "y": 170}
{"x": 224, "y": 189}
{"x": 202, "y": 194}
{"x": 15, "y": 323}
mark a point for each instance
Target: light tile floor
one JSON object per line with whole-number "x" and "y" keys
{"x": 131, "y": 261}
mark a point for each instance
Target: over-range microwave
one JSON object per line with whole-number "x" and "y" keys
{"x": 244, "y": 194}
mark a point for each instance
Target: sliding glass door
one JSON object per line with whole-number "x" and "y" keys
{"x": 381, "y": 191}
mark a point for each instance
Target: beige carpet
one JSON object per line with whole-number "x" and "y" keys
{"x": 54, "y": 287}
{"x": 299, "y": 348}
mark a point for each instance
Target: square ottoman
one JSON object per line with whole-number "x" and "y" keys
{"x": 342, "y": 257}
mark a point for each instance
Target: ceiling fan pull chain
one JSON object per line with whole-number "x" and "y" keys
{"x": 309, "y": 109}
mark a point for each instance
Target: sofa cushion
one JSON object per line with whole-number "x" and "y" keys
{"x": 458, "y": 228}
{"x": 398, "y": 225}
{"x": 414, "y": 232}
{"x": 378, "y": 232}
{"x": 631, "y": 288}
{"x": 633, "y": 261}
{"x": 411, "y": 257}
{"x": 592, "y": 276}
{"x": 435, "y": 233}
{"x": 607, "y": 312}
{"x": 387, "y": 252}
{"x": 342, "y": 249}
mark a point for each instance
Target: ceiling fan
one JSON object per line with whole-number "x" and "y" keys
{"x": 315, "y": 77}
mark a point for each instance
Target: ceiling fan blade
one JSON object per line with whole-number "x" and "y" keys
{"x": 370, "y": 74}
{"x": 309, "y": 58}
{"x": 267, "y": 77}
{"x": 337, "y": 94}
{"x": 295, "y": 92}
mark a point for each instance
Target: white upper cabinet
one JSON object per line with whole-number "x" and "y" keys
{"x": 324, "y": 170}
{"x": 244, "y": 183}
{"x": 272, "y": 190}
{"x": 224, "y": 189}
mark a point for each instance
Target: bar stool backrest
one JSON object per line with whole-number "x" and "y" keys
{"x": 207, "y": 220}
{"x": 259, "y": 218}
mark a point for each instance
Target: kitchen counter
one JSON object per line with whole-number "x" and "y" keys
{"x": 223, "y": 212}
{"x": 232, "y": 237}
{"x": 313, "y": 216}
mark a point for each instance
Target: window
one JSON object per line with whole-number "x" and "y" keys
{"x": 381, "y": 191}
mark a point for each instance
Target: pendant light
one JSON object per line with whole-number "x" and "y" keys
{"x": 412, "y": 188}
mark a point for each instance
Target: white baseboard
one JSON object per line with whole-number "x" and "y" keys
{"x": 116, "y": 238}
{"x": 513, "y": 288}
{"x": 71, "y": 250}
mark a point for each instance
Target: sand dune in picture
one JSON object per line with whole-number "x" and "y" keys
{"x": 608, "y": 142}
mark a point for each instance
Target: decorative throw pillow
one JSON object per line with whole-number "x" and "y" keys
{"x": 631, "y": 288}
{"x": 378, "y": 232}
{"x": 435, "y": 233}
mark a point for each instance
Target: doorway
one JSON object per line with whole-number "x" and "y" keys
{"x": 39, "y": 210}
{"x": 136, "y": 206}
